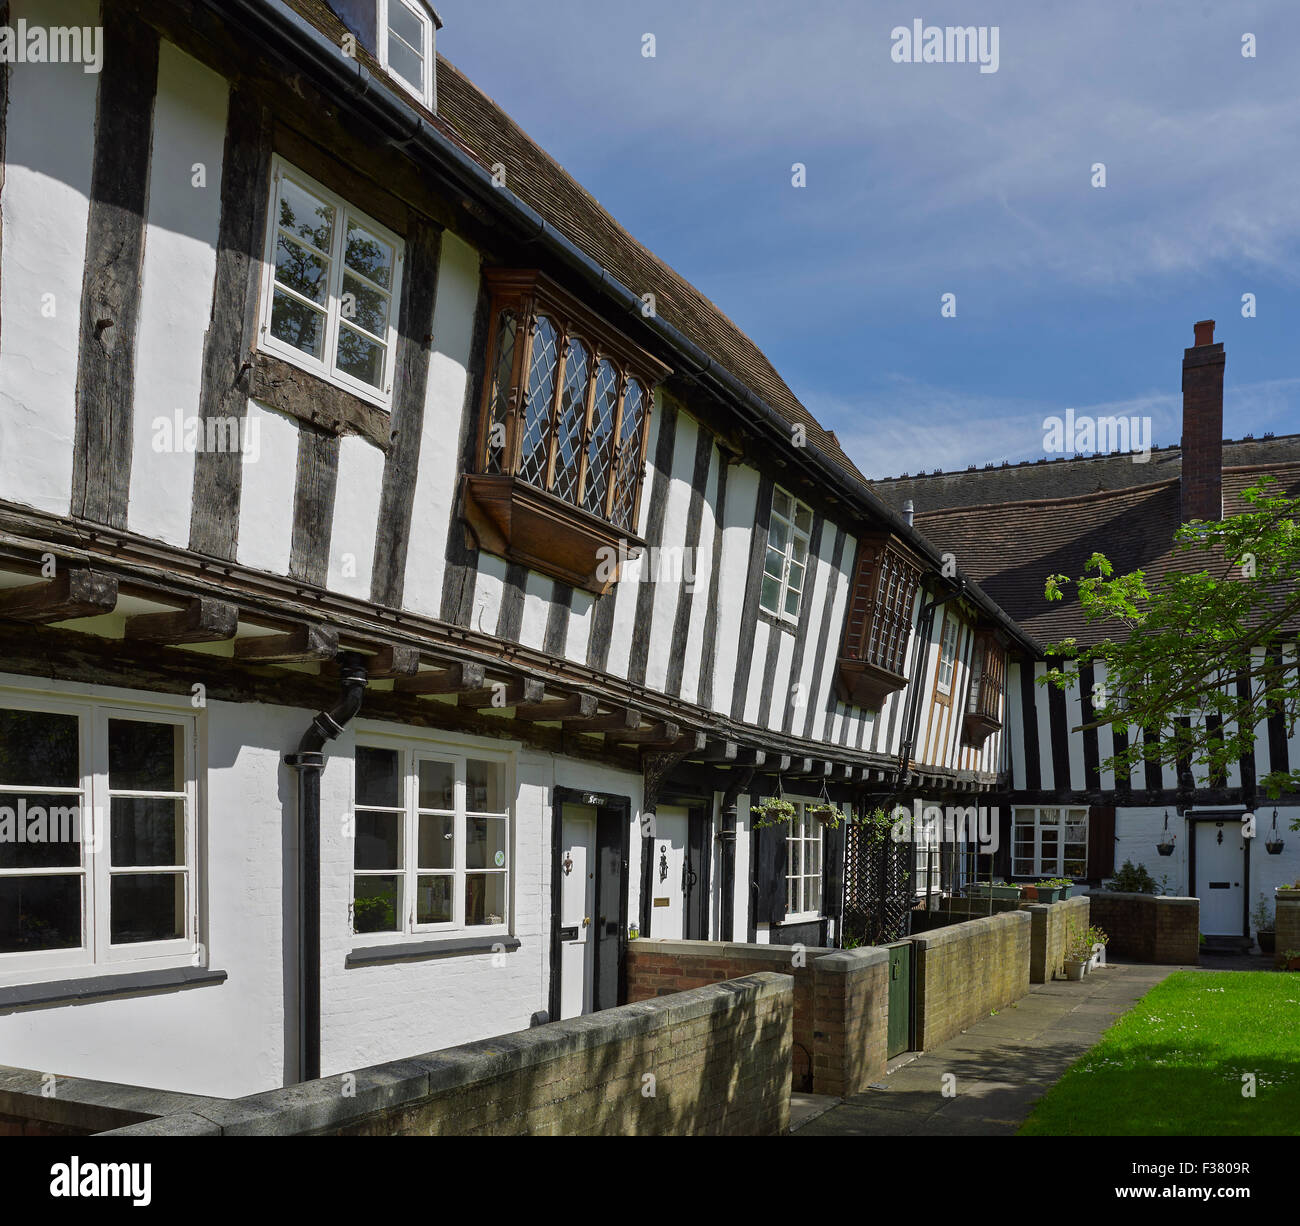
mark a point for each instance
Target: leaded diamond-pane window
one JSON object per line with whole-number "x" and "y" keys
{"x": 567, "y": 401}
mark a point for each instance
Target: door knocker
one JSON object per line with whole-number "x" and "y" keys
{"x": 663, "y": 861}
{"x": 568, "y": 864}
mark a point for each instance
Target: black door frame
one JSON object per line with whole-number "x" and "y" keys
{"x": 610, "y": 808}
{"x": 1234, "y": 816}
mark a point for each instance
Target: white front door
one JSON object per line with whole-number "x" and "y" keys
{"x": 577, "y": 902}
{"x": 1219, "y": 884}
{"x": 667, "y": 873}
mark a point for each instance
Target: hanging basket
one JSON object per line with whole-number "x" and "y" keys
{"x": 1165, "y": 849}
{"x": 1273, "y": 846}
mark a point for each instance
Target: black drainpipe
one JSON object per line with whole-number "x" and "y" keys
{"x": 308, "y": 762}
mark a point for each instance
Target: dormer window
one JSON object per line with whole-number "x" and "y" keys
{"x": 564, "y": 423}
{"x": 879, "y": 623}
{"x": 405, "y": 46}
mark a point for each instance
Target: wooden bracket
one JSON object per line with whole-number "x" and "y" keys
{"x": 306, "y": 643}
{"x": 625, "y": 719}
{"x": 525, "y": 692}
{"x": 201, "y": 621}
{"x": 393, "y": 660}
{"x": 581, "y": 706}
{"x": 453, "y": 680}
{"x": 76, "y": 591}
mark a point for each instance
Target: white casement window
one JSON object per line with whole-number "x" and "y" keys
{"x": 803, "y": 866}
{"x": 785, "y": 564}
{"x": 406, "y": 46}
{"x": 947, "y": 655}
{"x": 432, "y": 841}
{"x": 97, "y": 838}
{"x": 1049, "y": 842}
{"x": 331, "y": 285}
{"x": 928, "y": 858}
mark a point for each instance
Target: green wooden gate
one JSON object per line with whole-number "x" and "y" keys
{"x": 900, "y": 997}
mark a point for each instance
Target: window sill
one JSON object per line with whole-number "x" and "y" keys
{"x": 419, "y": 950}
{"x": 527, "y": 526}
{"x": 102, "y": 987}
{"x": 977, "y": 729}
{"x": 316, "y": 400}
{"x": 789, "y": 625}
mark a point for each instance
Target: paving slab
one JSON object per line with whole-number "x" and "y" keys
{"x": 998, "y": 1068}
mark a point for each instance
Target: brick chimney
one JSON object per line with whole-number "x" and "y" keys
{"x": 1202, "y": 480}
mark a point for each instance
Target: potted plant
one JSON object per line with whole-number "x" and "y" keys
{"x": 826, "y": 813}
{"x": 1066, "y": 884}
{"x": 1291, "y": 959}
{"x": 998, "y": 889}
{"x": 1078, "y": 952}
{"x": 1097, "y": 938}
{"x": 1262, "y": 917}
{"x": 774, "y": 811}
{"x": 1048, "y": 891}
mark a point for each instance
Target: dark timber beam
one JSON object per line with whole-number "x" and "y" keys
{"x": 201, "y": 621}
{"x": 453, "y": 680}
{"x": 393, "y": 660}
{"x": 626, "y": 719}
{"x": 581, "y": 706}
{"x": 692, "y": 744}
{"x": 525, "y": 692}
{"x": 720, "y": 751}
{"x": 306, "y": 643}
{"x": 75, "y": 591}
{"x": 751, "y": 757}
{"x": 666, "y": 734}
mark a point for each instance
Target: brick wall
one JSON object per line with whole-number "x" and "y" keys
{"x": 1049, "y": 928}
{"x": 1287, "y": 924}
{"x": 719, "y": 1057}
{"x": 841, "y": 999}
{"x": 1147, "y": 928}
{"x": 965, "y": 971}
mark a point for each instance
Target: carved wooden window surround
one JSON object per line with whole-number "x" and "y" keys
{"x": 984, "y": 702}
{"x": 562, "y": 435}
{"x": 873, "y": 653}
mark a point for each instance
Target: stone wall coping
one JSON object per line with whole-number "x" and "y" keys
{"x": 967, "y": 929}
{"x": 1168, "y": 900}
{"x": 319, "y": 1105}
{"x": 81, "y": 1103}
{"x": 725, "y": 949}
{"x": 851, "y": 961}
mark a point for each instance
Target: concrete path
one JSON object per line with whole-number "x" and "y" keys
{"x": 1002, "y": 1065}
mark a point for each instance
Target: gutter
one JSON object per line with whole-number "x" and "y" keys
{"x": 278, "y": 26}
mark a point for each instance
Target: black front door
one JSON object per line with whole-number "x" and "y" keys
{"x": 698, "y": 847}
{"x": 610, "y": 987}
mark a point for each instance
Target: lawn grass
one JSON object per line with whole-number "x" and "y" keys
{"x": 1173, "y": 1065}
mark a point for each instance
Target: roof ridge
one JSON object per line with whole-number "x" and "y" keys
{"x": 1096, "y": 495}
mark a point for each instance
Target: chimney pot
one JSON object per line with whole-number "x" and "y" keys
{"x": 908, "y": 512}
{"x": 1204, "y": 332}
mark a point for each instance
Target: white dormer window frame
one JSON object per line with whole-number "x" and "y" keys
{"x": 423, "y": 89}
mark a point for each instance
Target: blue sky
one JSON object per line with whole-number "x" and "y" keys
{"x": 926, "y": 179}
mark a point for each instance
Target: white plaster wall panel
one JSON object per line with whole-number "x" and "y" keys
{"x": 356, "y": 517}
{"x": 1268, "y": 872}
{"x": 1015, "y": 729}
{"x": 826, "y": 680}
{"x": 1138, "y": 830}
{"x": 1293, "y": 741}
{"x": 49, "y": 151}
{"x": 737, "y": 533}
{"x": 756, "y": 664}
{"x": 1046, "y": 762}
{"x": 383, "y": 1012}
{"x": 867, "y": 727}
{"x": 631, "y": 572}
{"x": 1105, "y": 738}
{"x": 1074, "y": 707}
{"x": 489, "y": 587}
{"x": 444, "y": 403}
{"x": 700, "y": 608}
{"x": 180, "y": 264}
{"x": 579, "y": 634}
{"x": 818, "y": 593}
{"x": 270, "y": 470}
{"x": 537, "y": 605}
{"x": 673, "y": 570}
{"x": 226, "y": 1039}
{"x": 744, "y": 848}
{"x": 781, "y": 690}
{"x": 1168, "y": 770}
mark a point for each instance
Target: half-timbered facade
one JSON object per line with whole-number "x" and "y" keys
{"x": 1065, "y": 813}
{"x": 406, "y": 581}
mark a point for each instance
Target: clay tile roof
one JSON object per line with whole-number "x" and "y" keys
{"x": 1010, "y": 548}
{"x": 488, "y": 134}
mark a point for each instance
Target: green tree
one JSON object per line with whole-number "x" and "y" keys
{"x": 1200, "y": 659}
